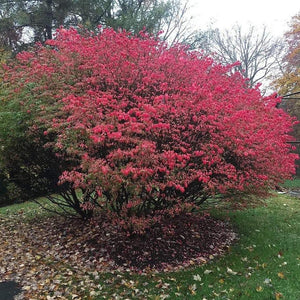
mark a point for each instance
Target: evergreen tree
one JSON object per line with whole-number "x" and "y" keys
{"x": 24, "y": 22}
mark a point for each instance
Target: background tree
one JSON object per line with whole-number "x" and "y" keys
{"x": 170, "y": 17}
{"x": 38, "y": 20}
{"x": 132, "y": 15}
{"x": 10, "y": 34}
{"x": 151, "y": 131}
{"x": 176, "y": 26}
{"x": 256, "y": 50}
{"x": 289, "y": 82}
{"x": 29, "y": 168}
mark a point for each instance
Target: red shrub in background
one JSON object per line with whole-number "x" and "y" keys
{"x": 154, "y": 129}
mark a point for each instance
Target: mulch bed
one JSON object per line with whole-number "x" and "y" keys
{"x": 46, "y": 254}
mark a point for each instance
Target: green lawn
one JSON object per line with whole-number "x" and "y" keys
{"x": 264, "y": 263}
{"x": 293, "y": 184}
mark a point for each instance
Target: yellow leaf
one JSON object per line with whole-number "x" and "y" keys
{"x": 221, "y": 280}
{"x": 259, "y": 289}
{"x": 229, "y": 271}
{"x": 278, "y": 295}
{"x": 192, "y": 289}
{"x": 280, "y": 275}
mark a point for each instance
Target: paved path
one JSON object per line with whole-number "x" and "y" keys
{"x": 9, "y": 289}
{"x": 295, "y": 193}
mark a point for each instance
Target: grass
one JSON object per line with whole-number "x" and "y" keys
{"x": 291, "y": 184}
{"x": 264, "y": 263}
{"x": 31, "y": 209}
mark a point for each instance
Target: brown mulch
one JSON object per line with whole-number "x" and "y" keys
{"x": 59, "y": 256}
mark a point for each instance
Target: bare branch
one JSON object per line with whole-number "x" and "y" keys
{"x": 256, "y": 50}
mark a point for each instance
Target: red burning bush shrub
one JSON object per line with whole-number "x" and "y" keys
{"x": 152, "y": 130}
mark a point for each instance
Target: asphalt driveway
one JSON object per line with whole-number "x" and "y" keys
{"x": 9, "y": 289}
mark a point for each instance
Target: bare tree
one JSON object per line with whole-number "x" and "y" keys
{"x": 256, "y": 50}
{"x": 177, "y": 26}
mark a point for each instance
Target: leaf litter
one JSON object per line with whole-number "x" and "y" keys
{"x": 58, "y": 258}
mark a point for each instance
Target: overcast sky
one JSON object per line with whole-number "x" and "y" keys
{"x": 275, "y": 14}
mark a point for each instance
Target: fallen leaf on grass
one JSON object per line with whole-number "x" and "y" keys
{"x": 259, "y": 289}
{"x": 163, "y": 296}
{"x": 267, "y": 281}
{"x": 207, "y": 272}
{"x": 278, "y": 295}
{"x": 264, "y": 265}
{"x": 221, "y": 280}
{"x": 280, "y": 275}
{"x": 172, "y": 278}
{"x": 229, "y": 271}
{"x": 197, "y": 277}
{"x": 165, "y": 286}
{"x": 192, "y": 289}
{"x": 280, "y": 254}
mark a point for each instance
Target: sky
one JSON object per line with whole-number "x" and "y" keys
{"x": 223, "y": 14}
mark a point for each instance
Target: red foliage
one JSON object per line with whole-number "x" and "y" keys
{"x": 155, "y": 129}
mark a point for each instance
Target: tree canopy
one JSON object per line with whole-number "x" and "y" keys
{"x": 26, "y": 22}
{"x": 147, "y": 130}
{"x": 256, "y": 50}
{"x": 288, "y": 84}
